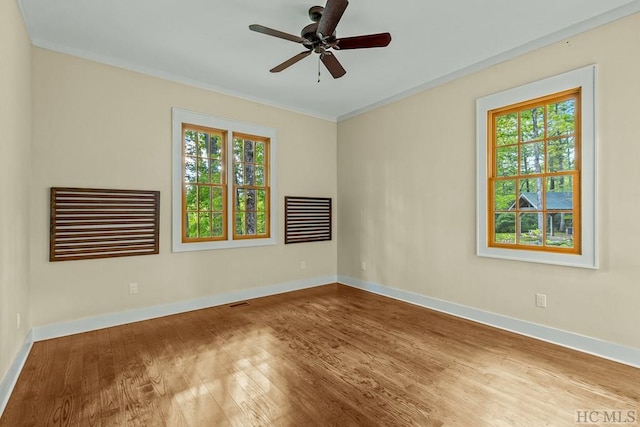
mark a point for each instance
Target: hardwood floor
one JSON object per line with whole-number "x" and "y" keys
{"x": 325, "y": 356}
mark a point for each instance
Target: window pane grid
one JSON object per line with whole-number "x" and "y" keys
{"x": 534, "y": 176}
{"x": 250, "y": 187}
{"x": 204, "y": 184}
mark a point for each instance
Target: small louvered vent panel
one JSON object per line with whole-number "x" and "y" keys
{"x": 93, "y": 223}
{"x": 307, "y": 219}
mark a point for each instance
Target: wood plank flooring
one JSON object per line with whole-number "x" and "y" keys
{"x": 327, "y": 356}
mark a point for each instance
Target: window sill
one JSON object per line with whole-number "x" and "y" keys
{"x": 224, "y": 244}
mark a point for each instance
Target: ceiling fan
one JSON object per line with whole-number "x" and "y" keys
{"x": 320, "y": 37}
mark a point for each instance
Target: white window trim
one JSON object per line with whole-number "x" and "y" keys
{"x": 584, "y": 78}
{"x": 180, "y": 116}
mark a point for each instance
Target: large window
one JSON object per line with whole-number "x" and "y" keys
{"x": 536, "y": 171}
{"x": 534, "y": 178}
{"x": 223, "y": 183}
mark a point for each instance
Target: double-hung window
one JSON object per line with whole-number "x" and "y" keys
{"x": 223, "y": 183}
{"x": 534, "y": 174}
{"x": 536, "y": 171}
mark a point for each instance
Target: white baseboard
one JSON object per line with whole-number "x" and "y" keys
{"x": 607, "y": 350}
{"x": 11, "y": 377}
{"x": 114, "y": 319}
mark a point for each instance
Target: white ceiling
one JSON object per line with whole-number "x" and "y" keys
{"x": 207, "y": 43}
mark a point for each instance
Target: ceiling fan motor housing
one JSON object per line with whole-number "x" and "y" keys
{"x": 310, "y": 33}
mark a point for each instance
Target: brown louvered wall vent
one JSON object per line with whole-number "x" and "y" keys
{"x": 307, "y": 219}
{"x": 91, "y": 223}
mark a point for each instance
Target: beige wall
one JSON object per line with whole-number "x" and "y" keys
{"x": 15, "y": 171}
{"x": 406, "y": 176}
{"x": 100, "y": 126}
{"x": 406, "y": 194}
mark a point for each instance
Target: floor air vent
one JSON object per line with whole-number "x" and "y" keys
{"x": 238, "y": 304}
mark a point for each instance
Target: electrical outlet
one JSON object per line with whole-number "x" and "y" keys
{"x": 133, "y": 288}
{"x": 17, "y": 320}
{"x": 363, "y": 265}
{"x": 303, "y": 265}
{"x": 541, "y": 300}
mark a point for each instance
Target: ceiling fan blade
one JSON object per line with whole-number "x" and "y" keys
{"x": 289, "y": 62}
{"x": 363, "y": 42}
{"x": 275, "y": 33}
{"x": 333, "y": 65}
{"x": 331, "y": 16}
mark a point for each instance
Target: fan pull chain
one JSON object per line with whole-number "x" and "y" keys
{"x": 318, "y": 68}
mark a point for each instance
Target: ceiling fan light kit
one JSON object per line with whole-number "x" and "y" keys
{"x": 320, "y": 37}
